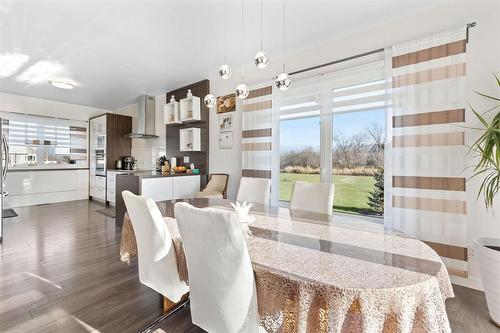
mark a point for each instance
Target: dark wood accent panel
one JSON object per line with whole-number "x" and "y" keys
{"x": 429, "y": 118}
{"x": 430, "y": 183}
{"x": 122, "y": 183}
{"x": 449, "y": 251}
{"x": 200, "y": 159}
{"x": 117, "y": 142}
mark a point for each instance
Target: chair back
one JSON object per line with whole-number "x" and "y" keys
{"x": 218, "y": 183}
{"x": 222, "y": 286}
{"x": 155, "y": 250}
{"x": 257, "y": 190}
{"x": 317, "y": 198}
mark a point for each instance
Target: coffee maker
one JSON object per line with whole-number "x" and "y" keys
{"x": 128, "y": 162}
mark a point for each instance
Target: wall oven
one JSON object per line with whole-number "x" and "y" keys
{"x": 100, "y": 162}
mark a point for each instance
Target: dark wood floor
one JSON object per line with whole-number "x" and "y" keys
{"x": 60, "y": 271}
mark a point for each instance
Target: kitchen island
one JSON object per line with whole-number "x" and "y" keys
{"x": 155, "y": 185}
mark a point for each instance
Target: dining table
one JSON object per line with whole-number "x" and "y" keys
{"x": 329, "y": 273}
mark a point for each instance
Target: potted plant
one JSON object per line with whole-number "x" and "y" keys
{"x": 487, "y": 148}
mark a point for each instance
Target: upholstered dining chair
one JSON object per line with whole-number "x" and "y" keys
{"x": 222, "y": 286}
{"x": 317, "y": 198}
{"x": 216, "y": 187}
{"x": 155, "y": 249}
{"x": 256, "y": 190}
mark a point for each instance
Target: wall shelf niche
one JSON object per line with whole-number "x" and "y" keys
{"x": 190, "y": 139}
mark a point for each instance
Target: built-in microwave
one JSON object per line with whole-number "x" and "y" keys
{"x": 100, "y": 162}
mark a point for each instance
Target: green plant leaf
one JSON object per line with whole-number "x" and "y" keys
{"x": 488, "y": 96}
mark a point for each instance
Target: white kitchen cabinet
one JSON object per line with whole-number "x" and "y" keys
{"x": 38, "y": 187}
{"x": 111, "y": 186}
{"x": 110, "y": 196}
{"x": 98, "y": 187}
{"x": 97, "y": 126}
{"x": 185, "y": 186}
{"x": 158, "y": 189}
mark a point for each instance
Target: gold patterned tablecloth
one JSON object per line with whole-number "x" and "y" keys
{"x": 317, "y": 273}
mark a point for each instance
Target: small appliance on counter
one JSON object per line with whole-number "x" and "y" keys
{"x": 119, "y": 165}
{"x": 128, "y": 162}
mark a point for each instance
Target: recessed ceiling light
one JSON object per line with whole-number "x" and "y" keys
{"x": 62, "y": 83}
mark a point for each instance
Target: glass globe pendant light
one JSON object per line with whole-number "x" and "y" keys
{"x": 224, "y": 70}
{"x": 210, "y": 99}
{"x": 242, "y": 91}
{"x": 261, "y": 59}
{"x": 283, "y": 80}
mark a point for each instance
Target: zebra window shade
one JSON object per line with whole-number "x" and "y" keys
{"x": 360, "y": 88}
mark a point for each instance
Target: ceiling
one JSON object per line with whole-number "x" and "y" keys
{"x": 117, "y": 50}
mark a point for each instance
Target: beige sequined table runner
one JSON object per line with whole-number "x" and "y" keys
{"x": 318, "y": 273}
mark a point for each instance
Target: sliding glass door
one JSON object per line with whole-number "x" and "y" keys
{"x": 333, "y": 130}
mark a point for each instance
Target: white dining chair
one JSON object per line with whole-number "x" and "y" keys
{"x": 256, "y": 190}
{"x": 222, "y": 286}
{"x": 317, "y": 198}
{"x": 155, "y": 249}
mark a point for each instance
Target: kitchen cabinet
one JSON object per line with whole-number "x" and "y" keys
{"x": 36, "y": 187}
{"x": 184, "y": 187}
{"x": 154, "y": 185}
{"x": 98, "y": 187}
{"x": 157, "y": 188}
{"x": 111, "y": 131}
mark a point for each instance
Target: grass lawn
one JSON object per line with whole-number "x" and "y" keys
{"x": 351, "y": 192}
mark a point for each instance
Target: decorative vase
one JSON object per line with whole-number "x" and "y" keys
{"x": 488, "y": 251}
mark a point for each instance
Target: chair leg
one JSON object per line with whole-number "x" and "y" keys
{"x": 166, "y": 313}
{"x": 169, "y": 305}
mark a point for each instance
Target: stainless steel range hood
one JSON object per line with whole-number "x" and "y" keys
{"x": 146, "y": 118}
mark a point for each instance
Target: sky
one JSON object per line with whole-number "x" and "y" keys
{"x": 299, "y": 133}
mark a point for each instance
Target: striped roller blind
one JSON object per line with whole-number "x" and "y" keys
{"x": 257, "y": 133}
{"x": 359, "y": 88}
{"x": 428, "y": 151}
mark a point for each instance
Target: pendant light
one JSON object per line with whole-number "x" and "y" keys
{"x": 225, "y": 70}
{"x": 209, "y": 99}
{"x": 283, "y": 80}
{"x": 261, "y": 60}
{"x": 242, "y": 89}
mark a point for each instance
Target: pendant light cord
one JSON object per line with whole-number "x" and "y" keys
{"x": 284, "y": 20}
{"x": 261, "y": 22}
{"x": 209, "y": 38}
{"x": 225, "y": 29}
{"x": 242, "y": 34}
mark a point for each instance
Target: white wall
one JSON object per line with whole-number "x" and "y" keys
{"x": 483, "y": 60}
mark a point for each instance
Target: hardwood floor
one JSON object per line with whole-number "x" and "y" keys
{"x": 60, "y": 271}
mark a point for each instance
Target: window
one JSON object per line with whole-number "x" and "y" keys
{"x": 38, "y": 142}
{"x": 332, "y": 129}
